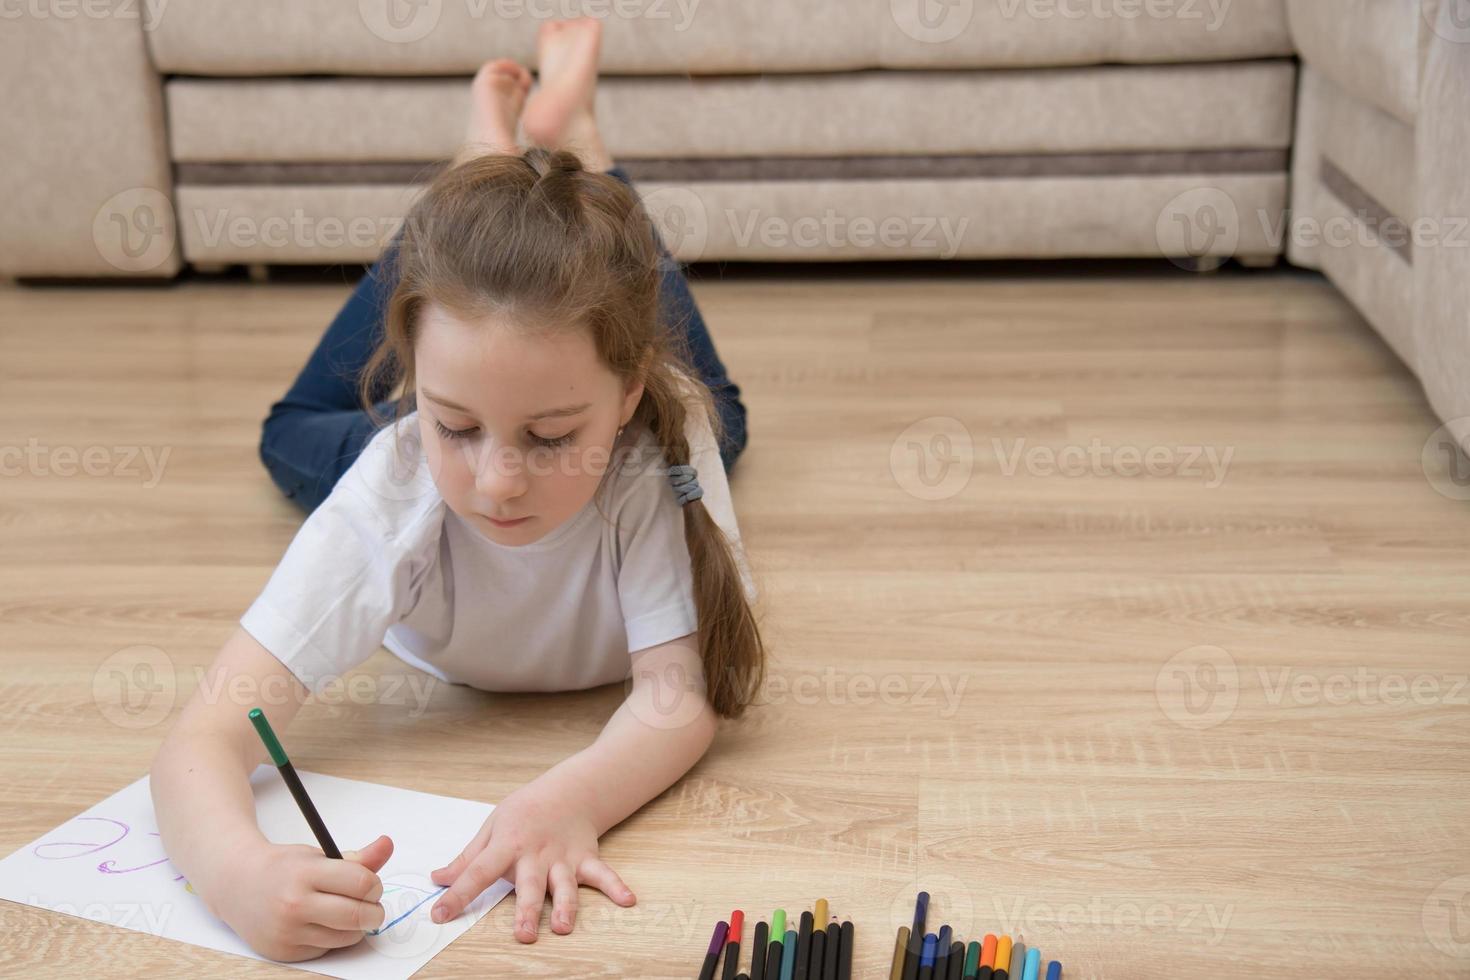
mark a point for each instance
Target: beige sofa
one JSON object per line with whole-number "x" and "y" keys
{"x": 284, "y": 131}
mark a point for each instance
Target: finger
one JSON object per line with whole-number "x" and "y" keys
{"x": 447, "y": 874}
{"x": 530, "y": 896}
{"x": 323, "y": 937}
{"x": 340, "y": 912}
{"x": 563, "y": 898}
{"x": 488, "y": 867}
{"x": 374, "y": 856}
{"x": 346, "y": 878}
{"x": 595, "y": 872}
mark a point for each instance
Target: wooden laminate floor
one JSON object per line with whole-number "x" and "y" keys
{"x": 1209, "y": 719}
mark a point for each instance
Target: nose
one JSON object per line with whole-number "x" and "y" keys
{"x": 500, "y": 473}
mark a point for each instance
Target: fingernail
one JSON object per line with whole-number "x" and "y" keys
{"x": 440, "y": 913}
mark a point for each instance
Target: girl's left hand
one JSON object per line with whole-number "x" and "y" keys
{"x": 542, "y": 839}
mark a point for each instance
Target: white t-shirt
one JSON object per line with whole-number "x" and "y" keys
{"x": 384, "y": 561}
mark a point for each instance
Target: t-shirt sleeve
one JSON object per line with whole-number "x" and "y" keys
{"x": 655, "y": 582}
{"x": 354, "y": 567}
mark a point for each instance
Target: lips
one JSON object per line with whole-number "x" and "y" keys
{"x": 499, "y": 523}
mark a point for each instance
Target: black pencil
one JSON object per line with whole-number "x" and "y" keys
{"x": 293, "y": 783}
{"x": 956, "y": 961}
{"x": 803, "y": 947}
{"x": 758, "y": 952}
{"x": 844, "y": 959}
{"x": 819, "y": 954}
{"x": 834, "y": 950}
{"x": 773, "y": 960}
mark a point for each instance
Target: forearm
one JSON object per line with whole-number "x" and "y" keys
{"x": 200, "y": 779}
{"x": 630, "y": 764}
{"x": 646, "y": 745}
{"x": 203, "y": 804}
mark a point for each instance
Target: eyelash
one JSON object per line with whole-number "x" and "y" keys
{"x": 556, "y": 443}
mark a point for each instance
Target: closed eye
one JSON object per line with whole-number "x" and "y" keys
{"x": 449, "y": 433}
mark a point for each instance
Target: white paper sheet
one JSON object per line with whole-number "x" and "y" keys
{"x": 108, "y": 864}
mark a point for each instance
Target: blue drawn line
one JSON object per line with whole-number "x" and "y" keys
{"x": 386, "y": 926}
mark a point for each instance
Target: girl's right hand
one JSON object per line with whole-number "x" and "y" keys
{"x": 291, "y": 902}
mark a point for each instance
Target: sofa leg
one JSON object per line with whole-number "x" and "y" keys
{"x": 1200, "y": 263}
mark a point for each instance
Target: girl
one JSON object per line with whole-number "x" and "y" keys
{"x": 547, "y": 510}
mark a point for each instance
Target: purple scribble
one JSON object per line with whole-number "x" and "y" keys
{"x": 90, "y": 848}
{"x": 107, "y": 867}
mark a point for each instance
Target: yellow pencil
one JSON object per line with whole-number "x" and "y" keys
{"x": 1003, "y": 953}
{"x": 819, "y": 917}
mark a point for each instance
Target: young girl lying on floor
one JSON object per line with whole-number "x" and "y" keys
{"x": 547, "y": 510}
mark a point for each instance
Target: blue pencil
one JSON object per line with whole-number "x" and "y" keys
{"x": 788, "y": 955}
{"x": 1054, "y": 970}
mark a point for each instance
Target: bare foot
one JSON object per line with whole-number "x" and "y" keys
{"x": 559, "y": 114}
{"x": 496, "y": 97}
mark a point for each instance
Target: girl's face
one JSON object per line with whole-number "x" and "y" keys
{"x": 515, "y": 428}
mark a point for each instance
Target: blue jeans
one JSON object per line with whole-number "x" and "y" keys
{"x": 314, "y": 433}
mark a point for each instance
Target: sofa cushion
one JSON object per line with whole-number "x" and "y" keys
{"x": 1369, "y": 47}
{"x": 396, "y": 37}
{"x": 1082, "y": 110}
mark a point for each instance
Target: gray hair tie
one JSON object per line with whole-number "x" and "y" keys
{"x": 686, "y": 486}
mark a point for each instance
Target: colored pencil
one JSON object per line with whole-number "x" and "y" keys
{"x": 956, "y": 960}
{"x": 987, "y": 951}
{"x": 844, "y": 958}
{"x": 778, "y": 925}
{"x": 972, "y": 961}
{"x": 732, "y": 945}
{"x": 1018, "y": 959}
{"x": 833, "y": 953}
{"x": 819, "y": 954}
{"x": 1054, "y": 970}
{"x": 900, "y": 945}
{"x": 773, "y": 959}
{"x": 941, "y": 952}
{"x": 804, "y": 946}
{"x": 758, "y": 953}
{"x": 926, "y": 956}
{"x": 293, "y": 783}
{"x": 1033, "y": 964}
{"x": 716, "y": 947}
{"x": 916, "y": 937}
{"x": 1002, "y": 958}
{"x": 819, "y": 916}
{"x": 788, "y": 955}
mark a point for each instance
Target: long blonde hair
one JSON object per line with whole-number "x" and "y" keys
{"x": 537, "y": 240}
